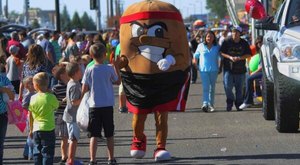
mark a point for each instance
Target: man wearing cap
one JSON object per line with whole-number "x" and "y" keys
{"x": 234, "y": 50}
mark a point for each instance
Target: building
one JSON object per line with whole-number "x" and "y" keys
{"x": 46, "y": 18}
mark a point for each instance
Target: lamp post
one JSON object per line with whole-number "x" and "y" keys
{"x": 194, "y": 6}
{"x": 192, "y": 17}
{"x": 201, "y": 6}
{"x": 187, "y": 12}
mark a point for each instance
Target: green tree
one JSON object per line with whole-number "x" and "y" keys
{"x": 76, "y": 22}
{"x": 65, "y": 20}
{"x": 35, "y": 24}
{"x": 87, "y": 22}
{"x": 92, "y": 24}
{"x": 217, "y": 7}
{"x": 15, "y": 17}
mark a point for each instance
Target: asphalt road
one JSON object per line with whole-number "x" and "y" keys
{"x": 194, "y": 137}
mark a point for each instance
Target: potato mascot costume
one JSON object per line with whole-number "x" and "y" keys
{"x": 155, "y": 69}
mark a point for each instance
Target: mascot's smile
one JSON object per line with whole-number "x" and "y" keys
{"x": 153, "y": 53}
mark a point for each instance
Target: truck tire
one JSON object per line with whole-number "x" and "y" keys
{"x": 286, "y": 102}
{"x": 268, "y": 96}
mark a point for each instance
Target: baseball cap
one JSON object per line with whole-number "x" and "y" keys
{"x": 237, "y": 28}
{"x": 13, "y": 49}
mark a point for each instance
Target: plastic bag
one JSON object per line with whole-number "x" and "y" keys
{"x": 82, "y": 117}
{"x": 16, "y": 113}
{"x": 66, "y": 116}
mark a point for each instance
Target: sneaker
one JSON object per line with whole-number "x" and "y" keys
{"x": 244, "y": 106}
{"x": 63, "y": 161}
{"x": 211, "y": 108}
{"x": 204, "y": 108}
{"x": 93, "y": 163}
{"x": 161, "y": 154}
{"x": 138, "y": 147}
{"x": 112, "y": 162}
{"x": 25, "y": 157}
{"x": 123, "y": 110}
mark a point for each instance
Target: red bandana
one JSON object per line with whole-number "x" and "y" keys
{"x": 151, "y": 15}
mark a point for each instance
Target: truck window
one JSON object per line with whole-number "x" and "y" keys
{"x": 294, "y": 13}
{"x": 277, "y": 18}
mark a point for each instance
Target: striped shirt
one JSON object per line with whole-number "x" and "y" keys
{"x": 59, "y": 90}
{"x": 4, "y": 81}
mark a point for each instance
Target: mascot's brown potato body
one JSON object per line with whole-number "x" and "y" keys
{"x": 155, "y": 75}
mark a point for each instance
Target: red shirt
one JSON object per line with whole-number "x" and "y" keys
{"x": 22, "y": 51}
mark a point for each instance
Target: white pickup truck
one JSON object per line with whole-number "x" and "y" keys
{"x": 280, "y": 56}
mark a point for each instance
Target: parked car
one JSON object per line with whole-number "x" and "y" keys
{"x": 40, "y": 31}
{"x": 280, "y": 54}
{"x": 7, "y": 29}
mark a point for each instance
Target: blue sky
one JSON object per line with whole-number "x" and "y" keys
{"x": 186, "y": 7}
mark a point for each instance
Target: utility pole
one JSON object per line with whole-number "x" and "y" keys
{"x": 111, "y": 8}
{"x": 98, "y": 16}
{"x": 57, "y": 15}
{"x": 26, "y": 6}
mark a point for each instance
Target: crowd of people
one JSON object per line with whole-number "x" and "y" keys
{"x": 49, "y": 73}
{"x": 225, "y": 51}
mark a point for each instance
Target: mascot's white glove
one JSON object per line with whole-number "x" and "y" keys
{"x": 165, "y": 63}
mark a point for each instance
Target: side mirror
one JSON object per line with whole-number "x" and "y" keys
{"x": 266, "y": 24}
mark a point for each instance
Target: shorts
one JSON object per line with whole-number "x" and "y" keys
{"x": 121, "y": 89}
{"x": 73, "y": 131}
{"x": 61, "y": 129}
{"x": 101, "y": 118}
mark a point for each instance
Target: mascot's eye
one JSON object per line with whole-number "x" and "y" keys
{"x": 156, "y": 31}
{"x": 136, "y": 30}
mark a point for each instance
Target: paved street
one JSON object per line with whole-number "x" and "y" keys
{"x": 194, "y": 137}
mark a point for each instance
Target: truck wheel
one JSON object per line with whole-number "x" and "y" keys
{"x": 268, "y": 96}
{"x": 286, "y": 102}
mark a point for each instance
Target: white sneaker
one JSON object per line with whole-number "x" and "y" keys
{"x": 211, "y": 108}
{"x": 244, "y": 106}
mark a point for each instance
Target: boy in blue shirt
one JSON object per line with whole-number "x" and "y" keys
{"x": 101, "y": 100}
{"x": 73, "y": 100}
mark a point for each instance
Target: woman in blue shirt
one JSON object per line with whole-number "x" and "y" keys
{"x": 207, "y": 55}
